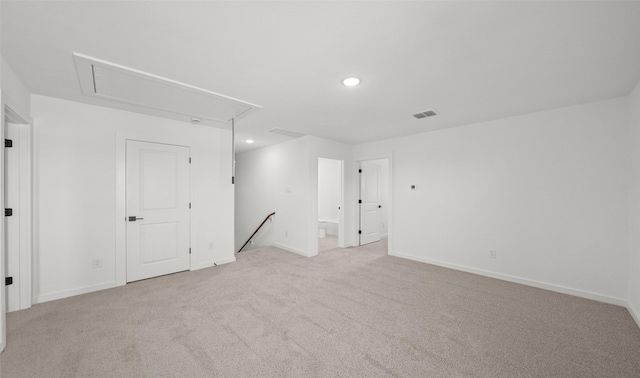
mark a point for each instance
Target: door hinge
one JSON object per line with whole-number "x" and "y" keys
{"x": 8, "y": 212}
{"x": 359, "y": 201}
{"x": 189, "y": 250}
{"x": 359, "y": 170}
{"x": 8, "y": 281}
{"x": 8, "y": 143}
{"x": 189, "y": 160}
{"x": 189, "y": 204}
{"x": 359, "y": 232}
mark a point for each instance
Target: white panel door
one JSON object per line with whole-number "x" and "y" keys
{"x": 370, "y": 203}
{"x": 157, "y": 209}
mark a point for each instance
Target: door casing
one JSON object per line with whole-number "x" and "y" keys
{"x": 121, "y": 194}
{"x": 26, "y": 194}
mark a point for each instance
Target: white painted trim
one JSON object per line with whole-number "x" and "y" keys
{"x": 74, "y": 292}
{"x": 21, "y": 135}
{"x": 121, "y": 193}
{"x": 294, "y": 250}
{"x": 520, "y": 280}
{"x": 313, "y": 211}
{"x": 635, "y": 314}
{"x": 209, "y": 264}
{"x": 7, "y": 108}
{"x": 3, "y": 250}
{"x": 26, "y": 216}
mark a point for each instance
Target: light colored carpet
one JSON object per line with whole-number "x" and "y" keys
{"x": 349, "y": 313}
{"x": 327, "y": 243}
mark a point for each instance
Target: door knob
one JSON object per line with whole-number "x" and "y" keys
{"x": 134, "y": 218}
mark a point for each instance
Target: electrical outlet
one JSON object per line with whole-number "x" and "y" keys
{"x": 97, "y": 263}
{"x": 493, "y": 253}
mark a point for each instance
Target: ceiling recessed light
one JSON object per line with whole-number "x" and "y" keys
{"x": 249, "y": 141}
{"x": 351, "y": 81}
{"x": 195, "y": 121}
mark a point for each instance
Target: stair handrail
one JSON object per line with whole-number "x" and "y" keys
{"x": 256, "y": 231}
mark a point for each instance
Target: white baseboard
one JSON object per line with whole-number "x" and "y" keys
{"x": 209, "y": 264}
{"x": 634, "y": 312}
{"x": 291, "y": 249}
{"x": 520, "y": 280}
{"x": 73, "y": 292}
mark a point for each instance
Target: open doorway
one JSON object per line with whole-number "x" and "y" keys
{"x": 330, "y": 206}
{"x": 373, "y": 201}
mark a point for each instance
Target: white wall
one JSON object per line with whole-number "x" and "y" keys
{"x": 329, "y": 172}
{"x": 634, "y": 206}
{"x": 15, "y": 93}
{"x": 76, "y": 178}
{"x": 546, "y": 190}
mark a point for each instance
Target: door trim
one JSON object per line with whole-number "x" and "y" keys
{"x": 356, "y": 189}
{"x": 343, "y": 232}
{"x": 121, "y": 195}
{"x": 341, "y": 229}
{"x": 7, "y": 107}
{"x": 23, "y": 209}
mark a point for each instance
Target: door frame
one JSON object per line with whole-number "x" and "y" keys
{"x": 346, "y": 209}
{"x": 7, "y": 109}
{"x": 362, "y": 158}
{"x": 121, "y": 194}
{"x": 23, "y": 208}
{"x": 341, "y": 229}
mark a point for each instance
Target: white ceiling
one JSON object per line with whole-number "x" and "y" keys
{"x": 470, "y": 61}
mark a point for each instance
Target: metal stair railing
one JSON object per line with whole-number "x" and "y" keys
{"x": 256, "y": 231}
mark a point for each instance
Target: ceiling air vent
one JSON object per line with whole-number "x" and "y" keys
{"x": 425, "y": 114}
{"x": 289, "y": 133}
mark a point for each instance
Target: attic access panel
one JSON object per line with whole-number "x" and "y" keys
{"x": 114, "y": 82}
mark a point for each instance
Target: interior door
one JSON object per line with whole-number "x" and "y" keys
{"x": 157, "y": 209}
{"x": 369, "y": 203}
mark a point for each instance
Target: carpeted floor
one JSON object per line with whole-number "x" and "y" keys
{"x": 349, "y": 313}
{"x": 327, "y": 243}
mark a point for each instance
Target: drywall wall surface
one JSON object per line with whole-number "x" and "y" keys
{"x": 274, "y": 179}
{"x": 76, "y": 177}
{"x": 547, "y": 191}
{"x": 634, "y": 205}
{"x": 14, "y": 92}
